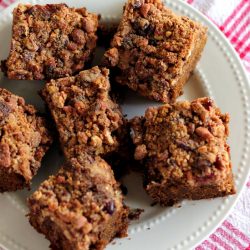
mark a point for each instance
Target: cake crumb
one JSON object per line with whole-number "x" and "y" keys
{"x": 135, "y": 214}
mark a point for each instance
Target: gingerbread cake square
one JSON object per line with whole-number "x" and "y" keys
{"x": 184, "y": 151}
{"x": 87, "y": 120}
{"x": 24, "y": 140}
{"x": 81, "y": 207}
{"x": 50, "y": 41}
{"x": 154, "y": 50}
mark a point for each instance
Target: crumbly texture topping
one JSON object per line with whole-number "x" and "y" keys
{"x": 183, "y": 143}
{"x": 86, "y": 118}
{"x": 122, "y": 159}
{"x": 151, "y": 47}
{"x": 24, "y": 137}
{"x": 50, "y": 41}
{"x": 79, "y": 200}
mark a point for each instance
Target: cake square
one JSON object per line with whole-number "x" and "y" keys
{"x": 50, "y": 41}
{"x": 81, "y": 207}
{"x": 184, "y": 151}
{"x": 24, "y": 140}
{"x": 154, "y": 50}
{"x": 87, "y": 120}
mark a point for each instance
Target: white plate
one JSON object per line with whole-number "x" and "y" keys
{"x": 219, "y": 74}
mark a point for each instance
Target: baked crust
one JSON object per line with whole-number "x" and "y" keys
{"x": 87, "y": 120}
{"x": 81, "y": 207}
{"x": 24, "y": 139}
{"x": 184, "y": 151}
{"x": 50, "y": 41}
{"x": 154, "y": 50}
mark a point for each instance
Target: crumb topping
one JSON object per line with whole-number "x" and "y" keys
{"x": 24, "y": 136}
{"x": 183, "y": 142}
{"x": 50, "y": 41}
{"x": 150, "y": 48}
{"x": 86, "y": 118}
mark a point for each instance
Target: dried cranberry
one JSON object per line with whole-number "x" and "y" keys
{"x": 202, "y": 163}
{"x": 205, "y": 179}
{"x": 208, "y": 104}
{"x": 184, "y": 145}
{"x": 218, "y": 163}
{"x": 29, "y": 11}
{"x": 109, "y": 207}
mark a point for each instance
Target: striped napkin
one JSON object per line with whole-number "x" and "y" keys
{"x": 233, "y": 19}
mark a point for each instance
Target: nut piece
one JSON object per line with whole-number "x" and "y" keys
{"x": 35, "y": 139}
{"x": 59, "y": 99}
{"x": 145, "y": 9}
{"x": 89, "y": 25}
{"x": 140, "y": 152}
{"x": 30, "y": 44}
{"x": 96, "y": 141}
{"x": 4, "y": 155}
{"x": 168, "y": 33}
{"x": 78, "y": 36}
{"x": 72, "y": 46}
{"x": 204, "y": 133}
{"x": 112, "y": 56}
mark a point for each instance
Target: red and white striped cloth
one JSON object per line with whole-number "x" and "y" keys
{"x": 233, "y": 19}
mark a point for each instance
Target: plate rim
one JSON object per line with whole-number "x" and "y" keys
{"x": 247, "y": 81}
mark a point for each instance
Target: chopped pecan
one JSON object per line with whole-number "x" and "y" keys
{"x": 78, "y": 36}
{"x": 204, "y": 133}
{"x": 89, "y": 25}
{"x": 80, "y": 222}
{"x": 112, "y": 56}
{"x": 96, "y": 141}
{"x": 35, "y": 139}
{"x": 140, "y": 152}
{"x": 163, "y": 156}
{"x": 72, "y": 46}
{"x": 145, "y": 9}
{"x": 31, "y": 44}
